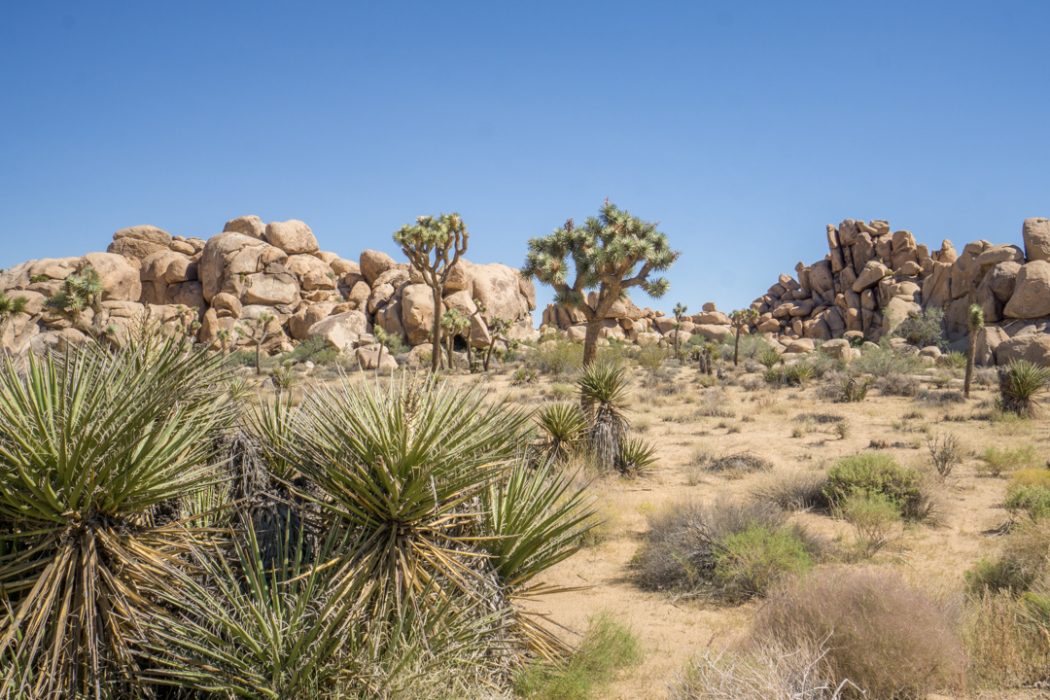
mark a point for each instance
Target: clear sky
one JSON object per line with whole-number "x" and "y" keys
{"x": 743, "y": 127}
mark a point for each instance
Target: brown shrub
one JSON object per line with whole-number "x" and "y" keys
{"x": 881, "y": 634}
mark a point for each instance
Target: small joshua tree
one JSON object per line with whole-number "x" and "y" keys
{"x": 679, "y": 313}
{"x": 453, "y": 322}
{"x": 610, "y": 253}
{"x": 975, "y": 322}
{"x": 740, "y": 319}
{"x": 223, "y": 337}
{"x": 433, "y": 246}
{"x": 258, "y": 330}
{"x": 498, "y": 328}
{"x": 81, "y": 290}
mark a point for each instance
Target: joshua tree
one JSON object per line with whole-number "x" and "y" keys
{"x": 433, "y": 246}
{"x": 81, "y": 290}
{"x": 453, "y": 322}
{"x": 9, "y": 306}
{"x": 498, "y": 328}
{"x": 679, "y": 313}
{"x": 224, "y": 340}
{"x": 258, "y": 330}
{"x": 611, "y": 253}
{"x": 741, "y": 319}
{"x": 975, "y": 322}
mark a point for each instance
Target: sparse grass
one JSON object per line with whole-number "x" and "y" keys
{"x": 1029, "y": 493}
{"x": 795, "y": 491}
{"x": 996, "y": 461}
{"x": 881, "y": 634}
{"x": 1009, "y": 646}
{"x": 607, "y": 648}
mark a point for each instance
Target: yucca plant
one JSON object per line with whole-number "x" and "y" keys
{"x": 92, "y": 445}
{"x": 1020, "y": 384}
{"x": 563, "y": 426}
{"x": 396, "y": 469}
{"x": 974, "y": 323}
{"x": 603, "y": 395}
{"x": 636, "y": 455}
{"x": 769, "y": 358}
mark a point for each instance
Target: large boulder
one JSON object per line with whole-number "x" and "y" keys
{"x": 120, "y": 279}
{"x": 417, "y": 312}
{"x": 375, "y": 356}
{"x": 312, "y": 273}
{"x": 293, "y": 237}
{"x": 139, "y": 242}
{"x": 1036, "y": 235}
{"x": 1034, "y": 347}
{"x": 343, "y": 330}
{"x": 229, "y": 258}
{"x": 1031, "y": 297}
{"x": 162, "y": 269}
{"x": 271, "y": 289}
{"x": 248, "y": 225}
{"x": 870, "y": 276}
{"x": 497, "y": 287}
{"x": 374, "y": 263}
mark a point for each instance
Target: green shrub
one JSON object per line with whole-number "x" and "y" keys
{"x": 1023, "y": 561}
{"x": 952, "y": 360}
{"x": 883, "y": 361}
{"x": 774, "y": 376}
{"x": 316, "y": 350}
{"x": 995, "y": 460}
{"x": 727, "y": 550}
{"x": 923, "y": 329}
{"x": 799, "y": 374}
{"x": 769, "y": 358}
{"x": 556, "y": 357}
{"x": 872, "y": 473}
{"x": 749, "y": 562}
{"x": 1020, "y": 384}
{"x": 1029, "y": 492}
{"x": 873, "y": 517}
{"x": 606, "y": 648}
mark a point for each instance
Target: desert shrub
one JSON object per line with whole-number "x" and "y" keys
{"x": 952, "y": 360}
{"x": 715, "y": 404}
{"x": 316, "y": 350}
{"x": 994, "y": 461}
{"x": 873, "y": 473}
{"x": 946, "y": 453}
{"x": 897, "y": 384}
{"x": 880, "y": 633}
{"x": 635, "y": 457}
{"x": 1007, "y": 643}
{"x": 1023, "y": 560}
{"x": 524, "y": 375}
{"x": 799, "y": 374}
{"x": 795, "y": 491}
{"x": 874, "y": 518}
{"x": 942, "y": 396}
{"x": 774, "y": 376}
{"x": 758, "y": 672}
{"x": 923, "y": 329}
{"x": 769, "y": 358}
{"x": 651, "y": 358}
{"x": 883, "y": 361}
{"x": 1029, "y": 493}
{"x": 728, "y": 550}
{"x": 556, "y": 357}
{"x": 606, "y": 648}
{"x": 737, "y": 463}
{"x": 1020, "y": 384}
{"x": 751, "y": 347}
{"x": 846, "y": 388}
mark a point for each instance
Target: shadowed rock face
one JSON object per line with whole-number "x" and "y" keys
{"x": 872, "y": 278}
{"x": 250, "y": 270}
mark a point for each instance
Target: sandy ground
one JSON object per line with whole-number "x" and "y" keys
{"x": 670, "y": 413}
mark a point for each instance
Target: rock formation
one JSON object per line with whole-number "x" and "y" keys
{"x": 626, "y": 322}
{"x": 249, "y": 271}
{"x": 873, "y": 278}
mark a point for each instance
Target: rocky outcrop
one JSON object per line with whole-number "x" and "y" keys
{"x": 873, "y": 278}
{"x": 249, "y": 271}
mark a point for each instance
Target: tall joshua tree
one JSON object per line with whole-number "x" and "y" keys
{"x": 974, "y": 321}
{"x": 679, "y": 313}
{"x": 433, "y": 246}
{"x": 611, "y": 253}
{"x": 740, "y": 319}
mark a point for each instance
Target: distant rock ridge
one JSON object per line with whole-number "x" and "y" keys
{"x": 873, "y": 278}
{"x": 251, "y": 270}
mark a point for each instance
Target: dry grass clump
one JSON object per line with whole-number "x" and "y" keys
{"x": 732, "y": 551}
{"x": 794, "y": 491}
{"x": 766, "y": 672}
{"x": 737, "y": 463}
{"x": 1029, "y": 493}
{"x": 882, "y": 635}
{"x": 896, "y": 384}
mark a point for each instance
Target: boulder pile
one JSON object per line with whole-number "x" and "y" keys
{"x": 629, "y": 323}
{"x": 873, "y": 278}
{"x": 254, "y": 270}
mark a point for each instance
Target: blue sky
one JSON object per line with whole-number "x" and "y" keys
{"x": 743, "y": 127}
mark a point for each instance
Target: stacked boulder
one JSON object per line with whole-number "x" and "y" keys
{"x": 628, "y": 323}
{"x": 873, "y": 278}
{"x": 253, "y": 270}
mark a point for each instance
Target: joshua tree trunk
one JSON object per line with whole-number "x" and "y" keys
{"x": 379, "y": 359}
{"x": 736, "y": 347}
{"x": 971, "y": 357}
{"x": 590, "y": 341}
{"x": 258, "y": 358}
{"x": 435, "y": 357}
